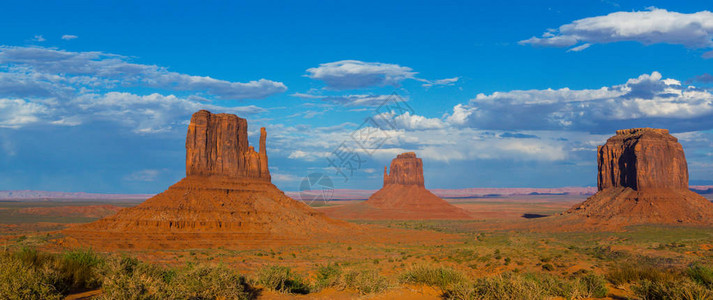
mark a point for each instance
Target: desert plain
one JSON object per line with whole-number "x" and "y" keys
{"x": 483, "y": 248}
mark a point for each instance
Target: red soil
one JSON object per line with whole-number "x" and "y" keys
{"x": 399, "y": 202}
{"x": 89, "y": 211}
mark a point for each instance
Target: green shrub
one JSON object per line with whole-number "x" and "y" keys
{"x": 439, "y": 276}
{"x": 206, "y": 282}
{"x": 281, "y": 279}
{"x": 671, "y": 289}
{"x": 79, "y": 269}
{"x": 548, "y": 267}
{"x": 128, "y": 278}
{"x": 365, "y": 281}
{"x": 33, "y": 258}
{"x": 701, "y": 274}
{"x": 20, "y": 279}
{"x": 509, "y": 286}
{"x": 550, "y": 285}
{"x": 630, "y": 273}
{"x": 593, "y": 285}
{"x": 328, "y": 276}
{"x": 71, "y": 271}
{"x": 503, "y": 286}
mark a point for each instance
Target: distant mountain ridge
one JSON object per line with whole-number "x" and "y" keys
{"x": 338, "y": 194}
{"x": 349, "y": 194}
{"x": 45, "y": 195}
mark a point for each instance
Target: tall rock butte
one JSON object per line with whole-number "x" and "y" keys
{"x": 226, "y": 199}
{"x": 643, "y": 179}
{"x": 403, "y": 197}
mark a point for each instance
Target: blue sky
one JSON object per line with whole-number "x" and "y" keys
{"x": 95, "y": 96}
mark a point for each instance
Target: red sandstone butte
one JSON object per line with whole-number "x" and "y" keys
{"x": 643, "y": 179}
{"x": 403, "y": 197}
{"x": 217, "y": 144}
{"x": 227, "y": 199}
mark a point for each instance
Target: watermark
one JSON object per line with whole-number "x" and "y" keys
{"x": 316, "y": 187}
{"x": 352, "y": 153}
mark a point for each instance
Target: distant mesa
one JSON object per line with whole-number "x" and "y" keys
{"x": 403, "y": 197}
{"x": 406, "y": 169}
{"x": 226, "y": 199}
{"x": 643, "y": 179}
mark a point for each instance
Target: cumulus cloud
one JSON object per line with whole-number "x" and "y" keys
{"x": 410, "y": 121}
{"x": 105, "y": 70}
{"x": 15, "y": 113}
{"x": 653, "y": 26}
{"x": 39, "y": 38}
{"x": 68, "y": 37}
{"x": 647, "y": 100}
{"x": 436, "y": 144}
{"x": 460, "y": 115}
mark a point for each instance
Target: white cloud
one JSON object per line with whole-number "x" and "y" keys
{"x": 460, "y": 114}
{"x": 148, "y": 175}
{"x": 354, "y": 74}
{"x": 143, "y": 114}
{"x": 39, "y": 38}
{"x": 68, "y": 37}
{"x": 441, "y": 82}
{"x": 358, "y": 100}
{"x": 410, "y": 121}
{"x": 306, "y": 96}
{"x": 104, "y": 70}
{"x": 579, "y": 48}
{"x": 283, "y": 177}
{"x": 15, "y": 113}
{"x": 40, "y": 86}
{"x": 297, "y": 154}
{"x": 647, "y": 100}
{"x": 440, "y": 143}
{"x": 653, "y": 26}
{"x": 152, "y": 113}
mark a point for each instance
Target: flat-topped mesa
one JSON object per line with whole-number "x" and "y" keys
{"x": 406, "y": 169}
{"x": 641, "y": 159}
{"x": 638, "y": 131}
{"x": 217, "y": 145}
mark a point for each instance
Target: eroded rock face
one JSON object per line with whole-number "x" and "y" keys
{"x": 641, "y": 159}
{"x": 217, "y": 145}
{"x": 406, "y": 169}
{"x": 642, "y": 179}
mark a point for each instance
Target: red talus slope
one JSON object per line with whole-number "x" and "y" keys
{"x": 402, "y": 197}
